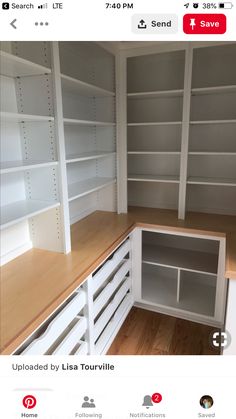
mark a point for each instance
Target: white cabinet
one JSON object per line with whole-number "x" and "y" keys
{"x": 182, "y": 275}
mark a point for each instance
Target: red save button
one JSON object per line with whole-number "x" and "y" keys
{"x": 205, "y": 24}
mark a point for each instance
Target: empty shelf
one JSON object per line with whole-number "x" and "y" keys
{"x": 88, "y": 156}
{"x": 137, "y": 124}
{"x": 13, "y": 66}
{"x": 195, "y": 180}
{"x": 180, "y": 258}
{"x": 217, "y": 121}
{"x": 159, "y": 285}
{"x": 197, "y": 293}
{"x": 17, "y": 166}
{"x": 70, "y": 121}
{"x": 153, "y": 178}
{"x": 155, "y": 94}
{"x": 18, "y": 117}
{"x": 154, "y": 152}
{"x": 85, "y": 187}
{"x": 21, "y": 210}
{"x": 85, "y": 89}
{"x": 212, "y": 153}
{"x": 212, "y": 90}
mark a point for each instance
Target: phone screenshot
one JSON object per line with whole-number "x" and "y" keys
{"x": 118, "y": 209}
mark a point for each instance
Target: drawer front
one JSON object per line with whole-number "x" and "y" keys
{"x": 113, "y": 326}
{"x": 57, "y": 326}
{"x": 72, "y": 338}
{"x": 110, "y": 288}
{"x": 106, "y": 270}
{"x": 111, "y": 308}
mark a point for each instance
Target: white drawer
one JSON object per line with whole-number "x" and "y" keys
{"x": 109, "y": 266}
{"x": 113, "y": 326}
{"x": 111, "y": 308}
{"x": 107, "y": 292}
{"x": 74, "y": 335}
{"x": 57, "y": 326}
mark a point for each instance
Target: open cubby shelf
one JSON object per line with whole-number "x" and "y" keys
{"x": 180, "y": 258}
{"x": 159, "y": 287}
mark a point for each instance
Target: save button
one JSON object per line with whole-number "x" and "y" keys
{"x": 204, "y": 24}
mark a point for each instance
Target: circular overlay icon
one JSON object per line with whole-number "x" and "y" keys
{"x": 29, "y": 402}
{"x": 156, "y": 398}
{"x": 219, "y": 339}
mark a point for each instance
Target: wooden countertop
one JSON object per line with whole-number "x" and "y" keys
{"x": 34, "y": 284}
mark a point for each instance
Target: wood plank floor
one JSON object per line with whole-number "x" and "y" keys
{"x": 147, "y": 333}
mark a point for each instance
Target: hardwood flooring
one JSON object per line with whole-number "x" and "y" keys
{"x": 147, "y": 333}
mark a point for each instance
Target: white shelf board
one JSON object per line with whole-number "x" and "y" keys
{"x": 22, "y": 210}
{"x": 212, "y": 90}
{"x": 13, "y": 66}
{"x": 180, "y": 258}
{"x": 149, "y": 124}
{"x": 159, "y": 286}
{"x": 18, "y": 166}
{"x": 88, "y": 156}
{"x": 85, "y": 187}
{"x": 197, "y": 297}
{"x": 69, "y": 121}
{"x": 153, "y": 178}
{"x": 212, "y": 153}
{"x": 154, "y": 152}
{"x": 195, "y": 180}
{"x": 217, "y": 121}
{"x": 85, "y": 89}
{"x": 160, "y": 289}
{"x": 20, "y": 117}
{"x": 155, "y": 94}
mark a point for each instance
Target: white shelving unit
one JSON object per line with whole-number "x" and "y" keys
{"x": 89, "y": 127}
{"x": 154, "y": 109}
{"x": 180, "y": 109}
{"x": 30, "y": 191}
{"x": 58, "y": 155}
{"x": 212, "y": 146}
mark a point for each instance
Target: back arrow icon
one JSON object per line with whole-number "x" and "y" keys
{"x": 12, "y": 24}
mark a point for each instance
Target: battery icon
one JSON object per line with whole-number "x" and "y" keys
{"x": 227, "y": 5}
